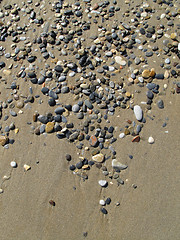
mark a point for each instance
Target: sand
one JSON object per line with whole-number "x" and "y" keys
{"x": 150, "y": 211}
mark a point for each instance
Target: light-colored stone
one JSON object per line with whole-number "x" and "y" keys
{"x": 120, "y": 61}
{"x": 26, "y": 167}
{"x": 118, "y": 165}
{"x": 13, "y": 164}
{"x": 138, "y": 112}
{"x": 151, "y": 140}
{"x": 102, "y": 183}
{"x": 98, "y": 158}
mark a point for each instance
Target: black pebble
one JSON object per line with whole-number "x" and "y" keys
{"x": 108, "y": 201}
{"x": 104, "y": 211}
{"x": 72, "y": 167}
{"x": 68, "y": 157}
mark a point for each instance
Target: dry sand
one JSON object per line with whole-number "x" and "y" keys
{"x": 149, "y": 212}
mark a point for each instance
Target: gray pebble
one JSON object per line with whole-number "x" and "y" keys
{"x": 160, "y": 104}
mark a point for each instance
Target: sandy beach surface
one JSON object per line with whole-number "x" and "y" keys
{"x": 146, "y": 206}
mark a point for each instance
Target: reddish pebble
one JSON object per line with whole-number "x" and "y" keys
{"x": 96, "y": 6}
{"x": 93, "y": 141}
{"x": 129, "y": 121}
{"x": 136, "y": 139}
{"x": 51, "y": 202}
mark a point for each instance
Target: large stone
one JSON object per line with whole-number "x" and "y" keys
{"x": 120, "y": 61}
{"x": 118, "y": 165}
{"x": 98, "y": 158}
{"x": 138, "y": 112}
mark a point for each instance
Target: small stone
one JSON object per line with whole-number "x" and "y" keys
{"x": 20, "y": 104}
{"x": 13, "y": 164}
{"x": 173, "y": 36}
{"x": 93, "y": 141}
{"x": 68, "y": 157}
{"x": 103, "y": 183}
{"x": 98, "y": 158}
{"x": 3, "y": 140}
{"x": 146, "y": 73}
{"x": 118, "y": 165}
{"x": 102, "y": 202}
{"x": 49, "y": 127}
{"x": 120, "y": 61}
{"x": 52, "y": 203}
{"x": 138, "y": 112}
{"x": 1, "y": 190}
{"x": 136, "y": 139}
{"x": 121, "y": 135}
{"x": 160, "y": 104}
{"x": 26, "y": 167}
{"x": 151, "y": 140}
{"x": 75, "y": 108}
{"x": 104, "y": 211}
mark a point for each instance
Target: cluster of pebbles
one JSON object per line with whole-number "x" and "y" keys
{"x": 90, "y": 61}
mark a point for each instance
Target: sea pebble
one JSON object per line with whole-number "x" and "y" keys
{"x": 103, "y": 183}
{"x": 121, "y": 135}
{"x": 102, "y": 202}
{"x": 13, "y": 164}
{"x": 138, "y": 112}
{"x": 120, "y": 61}
{"x": 151, "y": 140}
{"x": 118, "y": 165}
{"x": 98, "y": 158}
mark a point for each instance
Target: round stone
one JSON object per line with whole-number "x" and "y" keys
{"x": 102, "y": 202}
{"x": 121, "y": 135}
{"x": 146, "y": 73}
{"x": 13, "y": 164}
{"x": 151, "y": 140}
{"x": 75, "y": 108}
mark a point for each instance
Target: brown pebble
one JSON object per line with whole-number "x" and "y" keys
{"x": 129, "y": 121}
{"x": 52, "y": 203}
{"x": 136, "y": 139}
{"x": 37, "y": 131}
{"x": 35, "y": 116}
{"x": 3, "y": 140}
{"x": 49, "y": 127}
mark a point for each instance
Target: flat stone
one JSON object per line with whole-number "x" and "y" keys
{"x": 98, "y": 158}
{"x": 118, "y": 165}
{"x": 59, "y": 110}
{"x": 120, "y": 61}
{"x": 49, "y": 127}
{"x": 103, "y": 183}
{"x": 136, "y": 139}
{"x": 138, "y": 112}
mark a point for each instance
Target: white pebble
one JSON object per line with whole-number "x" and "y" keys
{"x": 102, "y": 183}
{"x": 1, "y": 190}
{"x": 121, "y": 135}
{"x": 102, "y": 202}
{"x": 138, "y": 112}
{"x": 13, "y": 164}
{"x": 151, "y": 140}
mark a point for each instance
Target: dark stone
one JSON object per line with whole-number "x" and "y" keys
{"x": 51, "y": 102}
{"x": 160, "y": 104}
{"x": 59, "y": 110}
{"x": 104, "y": 211}
{"x": 68, "y": 157}
{"x": 58, "y": 68}
{"x": 72, "y": 167}
{"x": 108, "y": 201}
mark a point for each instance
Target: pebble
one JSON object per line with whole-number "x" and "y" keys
{"x": 120, "y": 61}
{"x": 118, "y": 165}
{"x": 103, "y": 183}
{"x": 138, "y": 112}
{"x": 102, "y": 202}
{"x": 75, "y": 108}
{"x": 98, "y": 158}
{"x": 151, "y": 140}
{"x": 13, "y": 164}
{"x": 3, "y": 140}
{"x": 160, "y": 104}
